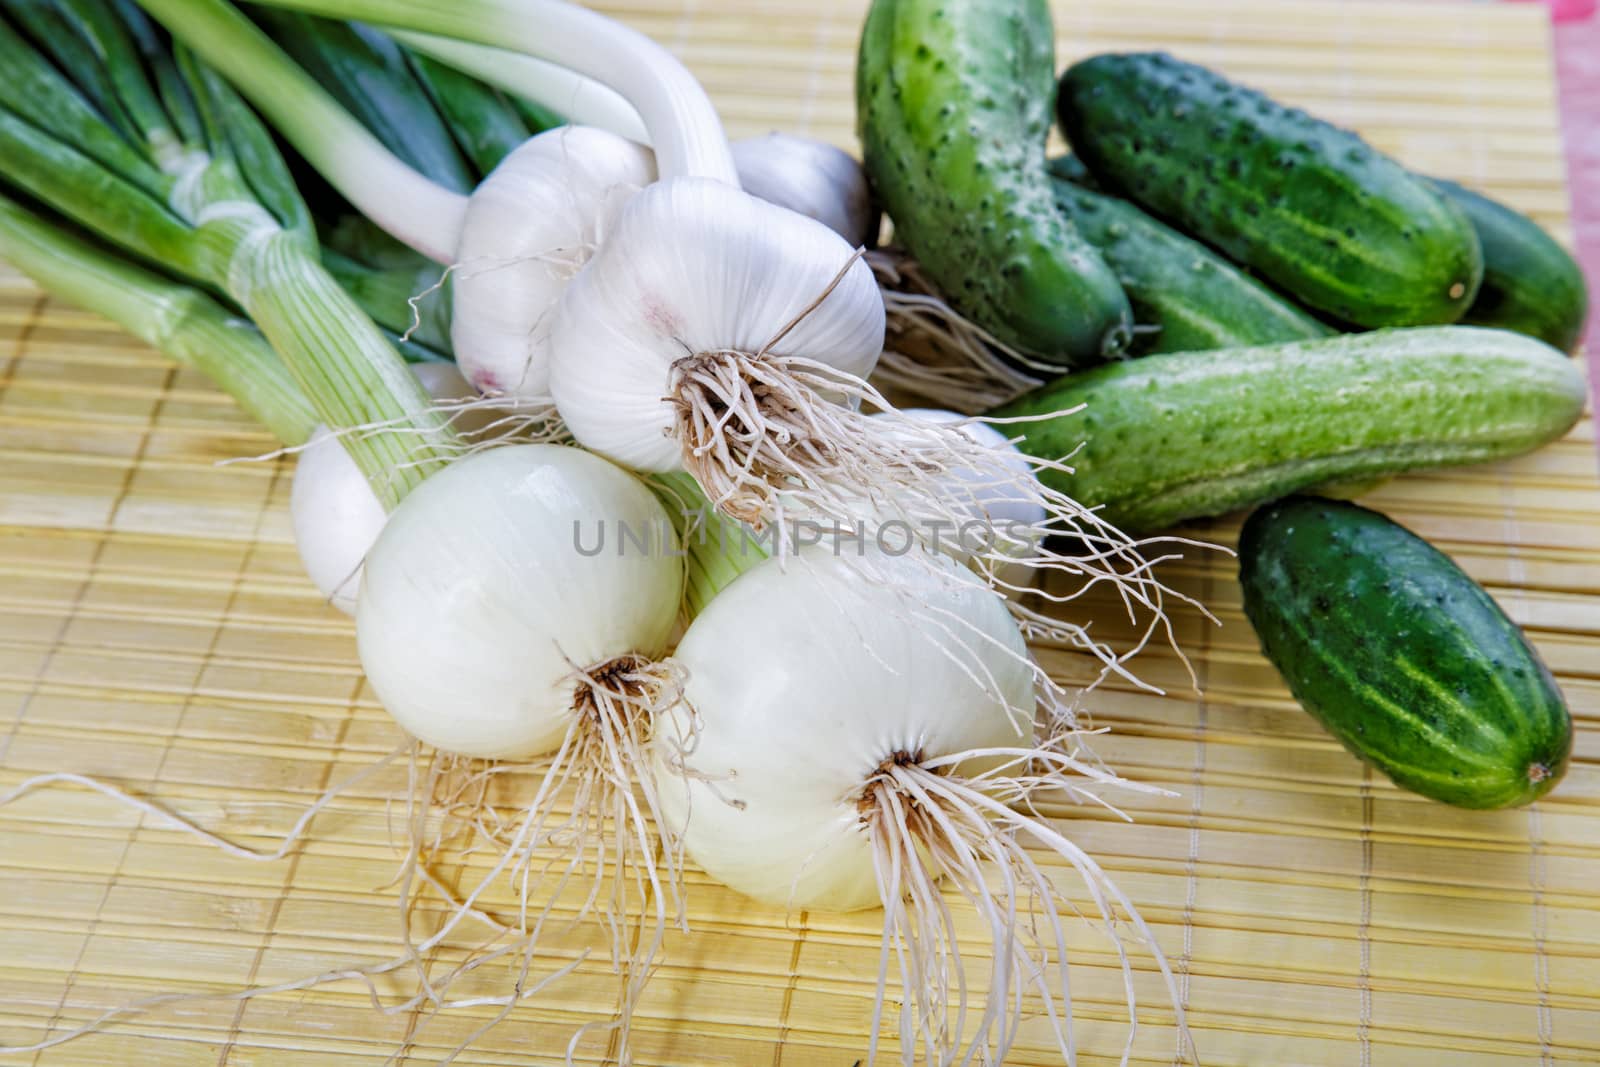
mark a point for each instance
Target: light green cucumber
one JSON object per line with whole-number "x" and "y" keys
{"x": 1188, "y": 434}
{"x": 953, "y": 103}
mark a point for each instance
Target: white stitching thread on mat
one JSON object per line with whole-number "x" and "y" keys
{"x": 1541, "y": 961}
{"x": 1364, "y": 981}
{"x": 1516, "y": 571}
{"x": 1192, "y": 890}
{"x": 1197, "y": 782}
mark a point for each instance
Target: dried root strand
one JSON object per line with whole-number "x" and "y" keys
{"x": 590, "y": 826}
{"x": 928, "y": 824}
{"x": 933, "y": 354}
{"x": 430, "y": 995}
{"x": 599, "y": 775}
{"x": 768, "y": 435}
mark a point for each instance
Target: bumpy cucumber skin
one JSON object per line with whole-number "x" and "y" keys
{"x": 953, "y": 104}
{"x": 1069, "y": 168}
{"x": 1189, "y": 434}
{"x": 1530, "y": 283}
{"x": 1308, "y": 207}
{"x": 1193, "y": 298}
{"x": 1401, "y": 655}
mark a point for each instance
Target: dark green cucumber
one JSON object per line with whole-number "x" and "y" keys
{"x": 953, "y": 101}
{"x": 1308, "y": 207}
{"x": 1188, "y": 297}
{"x": 1188, "y": 434}
{"x": 1530, "y": 283}
{"x": 1069, "y": 168}
{"x": 1402, "y": 656}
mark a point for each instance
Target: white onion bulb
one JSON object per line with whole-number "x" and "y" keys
{"x": 478, "y": 606}
{"x": 335, "y": 514}
{"x": 804, "y": 676}
{"x": 860, "y": 732}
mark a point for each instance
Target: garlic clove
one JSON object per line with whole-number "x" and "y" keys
{"x": 817, "y": 179}
{"x": 694, "y": 269}
{"x": 530, "y": 227}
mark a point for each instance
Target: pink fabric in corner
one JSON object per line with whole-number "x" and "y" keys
{"x": 1578, "y": 73}
{"x": 1566, "y": 10}
{"x": 1572, "y": 9}
{"x": 1577, "y": 44}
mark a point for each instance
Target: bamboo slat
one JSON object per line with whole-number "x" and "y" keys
{"x": 155, "y": 631}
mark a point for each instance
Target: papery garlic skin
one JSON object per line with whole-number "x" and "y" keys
{"x": 814, "y": 178}
{"x": 530, "y": 226}
{"x": 692, "y": 266}
{"x": 480, "y": 600}
{"x": 334, "y": 512}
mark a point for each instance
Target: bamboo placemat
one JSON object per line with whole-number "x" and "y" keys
{"x": 155, "y": 630}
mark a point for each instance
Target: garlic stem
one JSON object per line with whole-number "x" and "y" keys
{"x": 424, "y": 215}
{"x": 683, "y": 126}
{"x": 581, "y": 101}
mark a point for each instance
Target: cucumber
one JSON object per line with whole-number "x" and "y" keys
{"x": 954, "y": 107}
{"x": 1187, "y": 434}
{"x": 1069, "y": 168}
{"x": 1530, "y": 283}
{"x": 1190, "y": 297}
{"x": 1402, "y": 656}
{"x": 1309, "y": 208}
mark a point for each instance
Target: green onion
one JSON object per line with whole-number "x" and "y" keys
{"x": 154, "y": 153}
{"x": 716, "y": 548}
{"x": 420, "y": 211}
{"x": 373, "y": 79}
{"x": 179, "y": 320}
{"x": 685, "y": 132}
{"x": 487, "y": 126}
{"x": 546, "y": 93}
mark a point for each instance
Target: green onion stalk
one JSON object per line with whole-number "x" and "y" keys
{"x": 407, "y": 297}
{"x": 598, "y": 72}
{"x": 716, "y": 549}
{"x": 372, "y": 78}
{"x": 446, "y": 125}
{"x": 179, "y": 320}
{"x": 487, "y": 124}
{"x": 151, "y": 151}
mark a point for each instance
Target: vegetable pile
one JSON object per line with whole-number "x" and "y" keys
{"x": 1247, "y": 235}
{"x": 595, "y": 435}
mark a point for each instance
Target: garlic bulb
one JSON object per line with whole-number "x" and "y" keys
{"x": 529, "y": 227}
{"x": 698, "y": 273}
{"x": 812, "y": 177}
